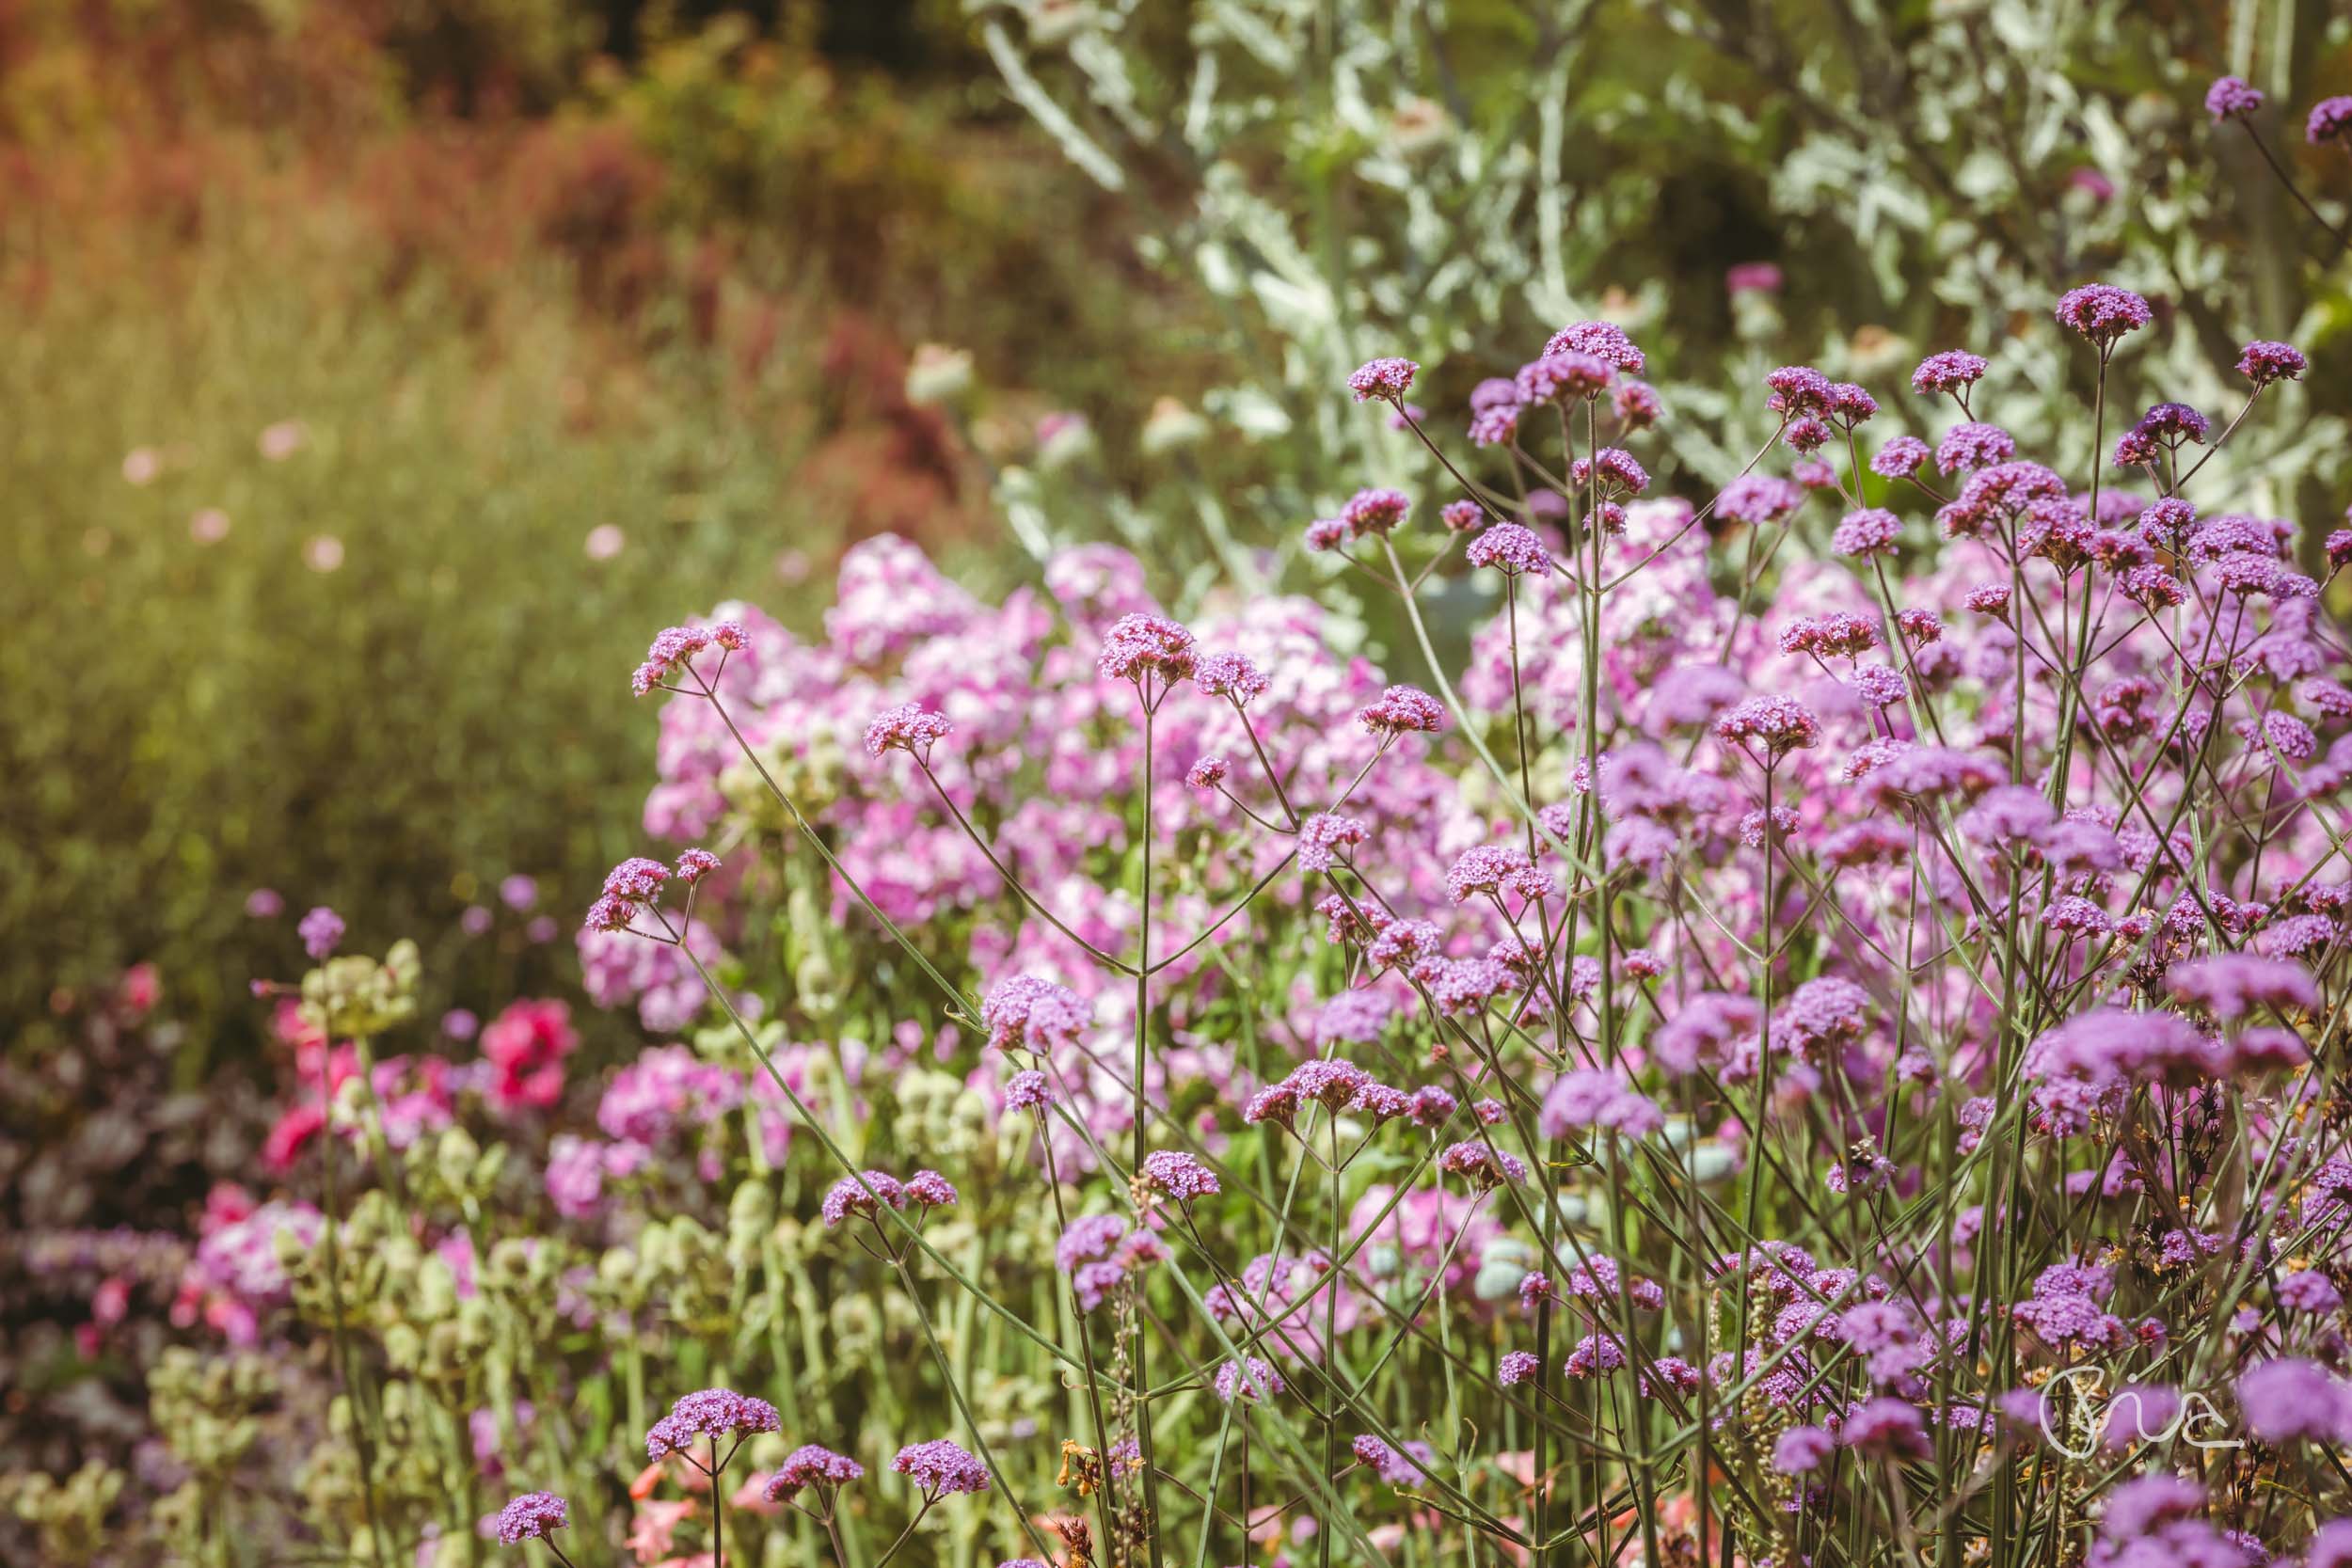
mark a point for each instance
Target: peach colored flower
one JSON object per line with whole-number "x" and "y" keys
{"x": 656, "y": 1523}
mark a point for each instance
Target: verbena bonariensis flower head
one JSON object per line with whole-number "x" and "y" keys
{"x": 1614, "y": 469}
{"x": 1798, "y": 392}
{"x": 2229, "y": 98}
{"x": 1253, "y": 1380}
{"x": 1899, "y": 458}
{"x": 1604, "y": 341}
{"x": 1029, "y": 1013}
{"x": 1595, "y": 1098}
{"x": 811, "y": 1465}
{"x": 1485, "y": 1166}
{"x": 635, "y": 886}
{"x": 1953, "y": 371}
{"x": 1140, "y": 646}
{"x": 940, "y": 1468}
{"x": 2103, "y": 312}
{"x": 530, "y": 1516}
{"x": 1403, "y": 710}
{"x": 2331, "y": 119}
{"x": 1872, "y": 532}
{"x": 1512, "y": 548}
{"x": 1387, "y": 380}
{"x": 929, "y": 1190}
{"x": 1172, "y": 1173}
{"x": 1561, "y": 379}
{"x": 1324, "y": 836}
{"x": 709, "y": 1415}
{"x": 675, "y": 648}
{"x": 1230, "y": 675}
{"x": 863, "y": 1196}
{"x": 1777, "y": 724}
{"x": 906, "y": 728}
{"x": 2263, "y": 361}
{"x": 1374, "y": 512}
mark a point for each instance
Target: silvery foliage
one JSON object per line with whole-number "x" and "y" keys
{"x": 1344, "y": 191}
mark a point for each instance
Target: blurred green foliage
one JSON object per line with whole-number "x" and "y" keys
{"x": 398, "y": 675}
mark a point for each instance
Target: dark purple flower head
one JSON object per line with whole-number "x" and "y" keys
{"x": 2331, "y": 119}
{"x": 2103, "y": 312}
{"x": 1603, "y": 340}
{"x": 1808, "y": 435}
{"x": 1028, "y": 1091}
{"x": 2171, "y": 423}
{"x": 1410, "y": 1467}
{"x": 1388, "y": 380}
{"x": 694, "y": 865}
{"x": 1374, "y": 511}
{"x": 710, "y": 1414}
{"x": 530, "y": 1516}
{"x": 811, "y": 1465}
{"x": 1849, "y": 406}
{"x": 940, "y": 1468}
{"x": 2229, "y": 97}
{"x": 1951, "y": 371}
{"x": 2263, "y": 361}
{"x": 1595, "y": 1355}
{"x": 1798, "y": 391}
